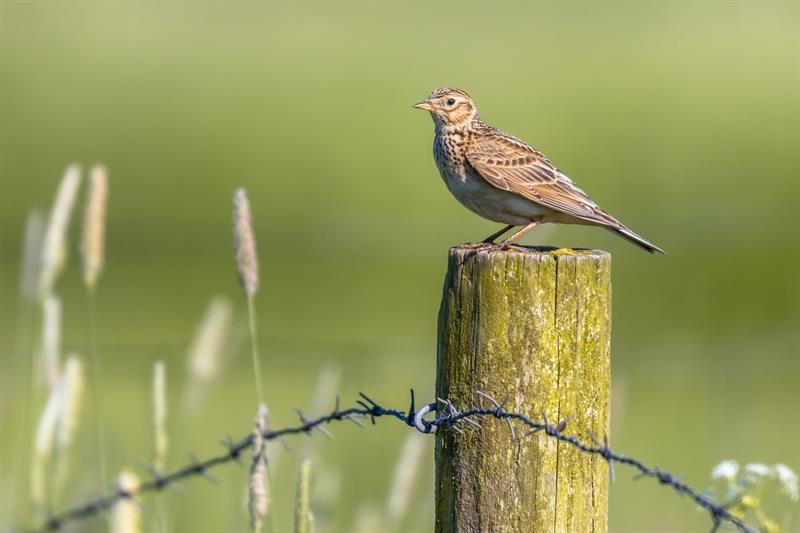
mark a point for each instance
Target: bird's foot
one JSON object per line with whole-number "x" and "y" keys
{"x": 508, "y": 246}
{"x": 478, "y": 245}
{"x": 494, "y": 246}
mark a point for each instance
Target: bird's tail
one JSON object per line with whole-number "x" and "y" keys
{"x": 635, "y": 238}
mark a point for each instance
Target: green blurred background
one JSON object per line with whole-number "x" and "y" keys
{"x": 679, "y": 118}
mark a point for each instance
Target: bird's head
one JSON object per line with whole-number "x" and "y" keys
{"x": 449, "y": 107}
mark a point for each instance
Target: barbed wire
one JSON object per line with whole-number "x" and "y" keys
{"x": 448, "y": 417}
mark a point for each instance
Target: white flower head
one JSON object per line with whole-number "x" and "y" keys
{"x": 726, "y": 470}
{"x": 757, "y": 470}
{"x": 788, "y": 481}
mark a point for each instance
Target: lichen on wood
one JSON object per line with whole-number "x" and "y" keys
{"x": 532, "y": 327}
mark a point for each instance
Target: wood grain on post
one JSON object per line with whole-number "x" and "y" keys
{"x": 533, "y": 327}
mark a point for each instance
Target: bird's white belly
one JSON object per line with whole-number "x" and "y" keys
{"x": 495, "y": 204}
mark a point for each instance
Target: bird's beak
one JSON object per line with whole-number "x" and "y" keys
{"x": 424, "y": 105}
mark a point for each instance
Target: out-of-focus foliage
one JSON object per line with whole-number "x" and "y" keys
{"x": 747, "y": 488}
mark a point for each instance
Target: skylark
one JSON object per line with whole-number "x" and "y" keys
{"x": 504, "y": 179}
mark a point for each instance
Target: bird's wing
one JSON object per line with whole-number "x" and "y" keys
{"x": 512, "y": 165}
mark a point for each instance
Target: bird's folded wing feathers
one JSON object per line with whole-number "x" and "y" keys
{"x": 510, "y": 164}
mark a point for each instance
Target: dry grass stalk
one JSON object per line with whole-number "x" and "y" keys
{"x": 160, "y": 441}
{"x": 244, "y": 243}
{"x": 206, "y": 352}
{"x": 405, "y": 474}
{"x": 303, "y": 519}
{"x": 54, "y": 248}
{"x": 94, "y": 224}
{"x": 126, "y": 513}
{"x": 32, "y": 255}
{"x": 258, "y": 493}
{"x": 51, "y": 341}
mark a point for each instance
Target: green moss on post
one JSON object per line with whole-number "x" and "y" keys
{"x": 531, "y": 326}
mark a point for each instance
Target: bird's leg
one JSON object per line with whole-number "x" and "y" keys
{"x": 531, "y": 225}
{"x": 490, "y": 239}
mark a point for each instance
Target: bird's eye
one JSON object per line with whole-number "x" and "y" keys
{"x": 451, "y": 101}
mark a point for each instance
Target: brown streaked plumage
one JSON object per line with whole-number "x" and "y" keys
{"x": 504, "y": 179}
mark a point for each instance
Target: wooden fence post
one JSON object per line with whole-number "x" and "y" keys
{"x": 532, "y": 327}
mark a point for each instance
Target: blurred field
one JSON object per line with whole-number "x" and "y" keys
{"x": 679, "y": 118}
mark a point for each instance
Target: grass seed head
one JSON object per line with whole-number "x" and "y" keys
{"x": 43, "y": 443}
{"x": 126, "y": 513}
{"x": 54, "y": 248}
{"x": 94, "y": 225}
{"x": 71, "y": 392}
{"x": 244, "y": 243}
{"x": 207, "y": 350}
{"x": 303, "y": 519}
{"x": 258, "y": 493}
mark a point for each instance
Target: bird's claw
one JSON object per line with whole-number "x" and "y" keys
{"x": 507, "y": 246}
{"x": 478, "y": 245}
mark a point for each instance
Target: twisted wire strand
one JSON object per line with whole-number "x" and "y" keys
{"x": 447, "y": 418}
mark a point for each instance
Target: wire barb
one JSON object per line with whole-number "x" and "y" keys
{"x": 499, "y": 411}
{"x": 304, "y": 420}
{"x": 605, "y": 451}
{"x": 234, "y": 452}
